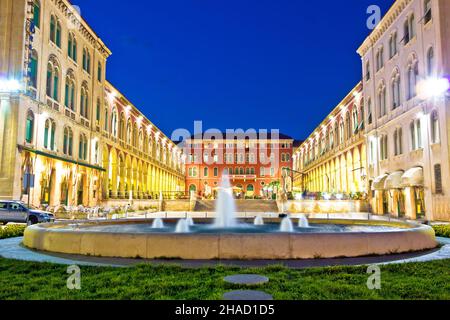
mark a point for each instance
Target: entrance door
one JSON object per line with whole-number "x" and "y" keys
{"x": 420, "y": 202}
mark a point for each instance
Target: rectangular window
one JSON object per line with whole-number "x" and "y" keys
{"x": 438, "y": 178}
{"x": 216, "y": 172}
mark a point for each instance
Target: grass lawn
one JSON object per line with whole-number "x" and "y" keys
{"x": 28, "y": 280}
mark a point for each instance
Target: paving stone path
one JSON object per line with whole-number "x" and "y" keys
{"x": 246, "y": 279}
{"x": 12, "y": 249}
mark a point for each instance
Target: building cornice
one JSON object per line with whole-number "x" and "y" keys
{"x": 389, "y": 18}
{"x": 75, "y": 18}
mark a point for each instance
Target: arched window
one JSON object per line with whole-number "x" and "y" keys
{"x": 341, "y": 132}
{"x": 37, "y": 14}
{"x": 367, "y": 71}
{"x": 55, "y": 31}
{"x": 382, "y": 101}
{"x": 140, "y": 141}
{"x": 416, "y": 134}
{"x": 69, "y": 97}
{"x": 135, "y": 136}
{"x": 122, "y": 127}
{"x": 129, "y": 133}
{"x": 369, "y": 111}
{"x": 409, "y": 29}
{"x": 428, "y": 11}
{"x": 412, "y": 74}
{"x": 250, "y": 188}
{"x": 33, "y": 69}
{"x": 205, "y": 172}
{"x": 362, "y": 117}
{"x": 398, "y": 141}
{"x": 98, "y": 111}
{"x": 99, "y": 72}
{"x": 29, "y": 127}
{"x": 84, "y": 101}
{"x": 72, "y": 47}
{"x": 435, "y": 127}
{"x": 114, "y": 123}
{"x": 393, "y": 45}
{"x": 83, "y": 147}
{"x": 355, "y": 119}
{"x": 52, "y": 87}
{"x": 86, "y": 60}
{"x": 331, "y": 139}
{"x": 49, "y": 134}
{"x": 430, "y": 61}
{"x": 395, "y": 90}
{"x": 348, "y": 128}
{"x": 106, "y": 118}
{"x": 68, "y": 142}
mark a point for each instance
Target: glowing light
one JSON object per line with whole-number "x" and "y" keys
{"x": 298, "y": 196}
{"x": 432, "y": 88}
{"x": 420, "y": 115}
{"x": 9, "y": 85}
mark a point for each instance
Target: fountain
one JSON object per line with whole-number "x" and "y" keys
{"x": 286, "y": 225}
{"x": 190, "y": 221}
{"x": 259, "y": 221}
{"x": 225, "y": 205}
{"x": 226, "y": 238}
{"x": 182, "y": 226}
{"x": 158, "y": 224}
{"x": 303, "y": 222}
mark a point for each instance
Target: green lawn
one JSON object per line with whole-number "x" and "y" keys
{"x": 28, "y": 280}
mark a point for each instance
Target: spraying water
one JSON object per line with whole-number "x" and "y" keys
{"x": 190, "y": 222}
{"x": 286, "y": 225}
{"x": 303, "y": 222}
{"x": 259, "y": 221}
{"x": 225, "y": 205}
{"x": 182, "y": 226}
{"x": 158, "y": 224}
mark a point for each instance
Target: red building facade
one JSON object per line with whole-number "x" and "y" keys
{"x": 254, "y": 162}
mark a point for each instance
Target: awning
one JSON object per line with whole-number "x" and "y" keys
{"x": 394, "y": 180}
{"x": 413, "y": 177}
{"x": 378, "y": 183}
{"x": 52, "y": 156}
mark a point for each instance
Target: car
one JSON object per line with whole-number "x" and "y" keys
{"x": 20, "y": 212}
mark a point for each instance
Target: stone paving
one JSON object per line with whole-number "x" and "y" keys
{"x": 12, "y": 249}
{"x": 246, "y": 279}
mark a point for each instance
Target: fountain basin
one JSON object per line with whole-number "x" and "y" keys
{"x": 85, "y": 238}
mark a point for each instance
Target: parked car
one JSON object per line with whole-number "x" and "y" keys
{"x": 19, "y": 212}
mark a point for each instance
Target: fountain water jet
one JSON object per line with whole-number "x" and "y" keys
{"x": 286, "y": 225}
{"x": 225, "y": 205}
{"x": 182, "y": 226}
{"x": 190, "y": 221}
{"x": 303, "y": 222}
{"x": 158, "y": 224}
{"x": 259, "y": 221}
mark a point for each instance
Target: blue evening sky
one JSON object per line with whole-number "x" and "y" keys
{"x": 273, "y": 64}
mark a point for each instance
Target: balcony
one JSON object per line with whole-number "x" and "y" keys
{"x": 52, "y": 104}
{"x": 244, "y": 177}
{"x": 69, "y": 113}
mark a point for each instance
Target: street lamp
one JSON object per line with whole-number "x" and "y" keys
{"x": 9, "y": 85}
{"x": 433, "y": 88}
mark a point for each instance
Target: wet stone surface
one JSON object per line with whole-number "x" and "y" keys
{"x": 246, "y": 279}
